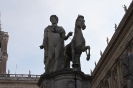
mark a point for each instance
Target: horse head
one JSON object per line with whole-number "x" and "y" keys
{"x": 80, "y": 22}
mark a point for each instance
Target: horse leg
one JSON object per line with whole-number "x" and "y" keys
{"x": 73, "y": 54}
{"x": 67, "y": 62}
{"x": 77, "y": 60}
{"x": 85, "y": 48}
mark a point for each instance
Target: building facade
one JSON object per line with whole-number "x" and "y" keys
{"x": 115, "y": 67}
{"x": 3, "y": 51}
{"x": 13, "y": 80}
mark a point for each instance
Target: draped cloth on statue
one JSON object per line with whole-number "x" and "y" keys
{"x": 54, "y": 46}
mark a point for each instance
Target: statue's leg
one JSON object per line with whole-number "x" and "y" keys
{"x": 48, "y": 65}
{"x": 58, "y": 57}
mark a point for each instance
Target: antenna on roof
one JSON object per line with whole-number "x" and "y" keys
{"x": 0, "y": 21}
{"x": 16, "y": 69}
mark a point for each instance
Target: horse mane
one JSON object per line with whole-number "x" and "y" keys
{"x": 75, "y": 29}
{"x": 79, "y": 16}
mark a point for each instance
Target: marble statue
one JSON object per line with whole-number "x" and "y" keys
{"x": 75, "y": 48}
{"x": 53, "y": 44}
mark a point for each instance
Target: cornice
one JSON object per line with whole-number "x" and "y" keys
{"x": 121, "y": 31}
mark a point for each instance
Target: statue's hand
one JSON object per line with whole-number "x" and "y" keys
{"x": 70, "y": 33}
{"x": 41, "y": 46}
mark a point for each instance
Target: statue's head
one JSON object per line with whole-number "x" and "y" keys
{"x": 54, "y": 19}
{"x": 80, "y": 22}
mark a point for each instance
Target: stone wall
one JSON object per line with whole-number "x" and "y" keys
{"x": 64, "y": 78}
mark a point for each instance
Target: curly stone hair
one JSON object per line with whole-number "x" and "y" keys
{"x": 53, "y": 16}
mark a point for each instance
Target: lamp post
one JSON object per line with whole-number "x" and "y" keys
{"x": 75, "y": 69}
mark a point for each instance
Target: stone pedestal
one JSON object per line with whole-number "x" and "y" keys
{"x": 64, "y": 79}
{"x": 130, "y": 83}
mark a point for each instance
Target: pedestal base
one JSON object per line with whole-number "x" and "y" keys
{"x": 64, "y": 79}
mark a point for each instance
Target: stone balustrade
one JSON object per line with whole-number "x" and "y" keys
{"x": 19, "y": 77}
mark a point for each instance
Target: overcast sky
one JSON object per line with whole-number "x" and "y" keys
{"x": 25, "y": 20}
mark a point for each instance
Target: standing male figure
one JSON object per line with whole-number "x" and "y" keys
{"x": 53, "y": 44}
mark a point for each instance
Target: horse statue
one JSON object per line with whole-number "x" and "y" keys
{"x": 75, "y": 48}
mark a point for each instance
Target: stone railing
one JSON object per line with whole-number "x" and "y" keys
{"x": 19, "y": 77}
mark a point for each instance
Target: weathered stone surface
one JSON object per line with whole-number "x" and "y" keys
{"x": 3, "y": 51}
{"x": 75, "y": 48}
{"x": 53, "y": 44}
{"x": 64, "y": 79}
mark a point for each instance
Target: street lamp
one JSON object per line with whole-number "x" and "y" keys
{"x": 75, "y": 69}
